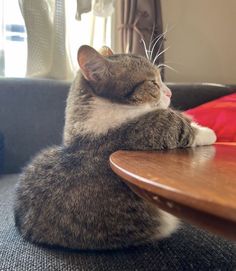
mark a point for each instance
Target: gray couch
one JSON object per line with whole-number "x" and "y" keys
{"x": 31, "y": 118}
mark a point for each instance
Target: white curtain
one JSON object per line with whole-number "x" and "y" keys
{"x": 49, "y": 27}
{"x": 46, "y": 35}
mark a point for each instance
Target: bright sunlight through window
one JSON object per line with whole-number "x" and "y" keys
{"x": 92, "y": 30}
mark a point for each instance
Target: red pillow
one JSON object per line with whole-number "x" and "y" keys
{"x": 219, "y": 115}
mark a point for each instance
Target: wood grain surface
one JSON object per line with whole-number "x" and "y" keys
{"x": 196, "y": 184}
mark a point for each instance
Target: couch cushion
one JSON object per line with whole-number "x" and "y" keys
{"x": 188, "y": 249}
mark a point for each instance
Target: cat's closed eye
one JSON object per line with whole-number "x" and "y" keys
{"x": 155, "y": 83}
{"x": 141, "y": 84}
{"x": 146, "y": 91}
{"x": 133, "y": 89}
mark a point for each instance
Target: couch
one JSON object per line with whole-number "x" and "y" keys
{"x": 31, "y": 118}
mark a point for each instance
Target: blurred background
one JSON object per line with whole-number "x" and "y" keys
{"x": 41, "y": 38}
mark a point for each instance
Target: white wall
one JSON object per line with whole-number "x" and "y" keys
{"x": 202, "y": 40}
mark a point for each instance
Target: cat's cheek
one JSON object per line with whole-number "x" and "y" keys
{"x": 165, "y": 101}
{"x": 168, "y": 101}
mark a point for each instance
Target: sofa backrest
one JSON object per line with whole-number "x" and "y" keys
{"x": 32, "y": 113}
{"x": 31, "y": 117}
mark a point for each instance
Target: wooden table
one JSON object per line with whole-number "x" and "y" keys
{"x": 195, "y": 184}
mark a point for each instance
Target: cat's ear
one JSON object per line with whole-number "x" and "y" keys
{"x": 106, "y": 51}
{"x": 93, "y": 65}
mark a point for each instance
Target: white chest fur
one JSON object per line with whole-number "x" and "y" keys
{"x": 104, "y": 115}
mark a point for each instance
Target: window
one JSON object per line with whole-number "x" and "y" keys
{"x": 92, "y": 30}
{"x": 13, "y": 40}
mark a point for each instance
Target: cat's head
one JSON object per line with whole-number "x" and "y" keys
{"x": 123, "y": 78}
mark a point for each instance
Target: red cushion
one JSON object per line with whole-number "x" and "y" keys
{"x": 219, "y": 115}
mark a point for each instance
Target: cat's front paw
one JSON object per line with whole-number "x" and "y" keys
{"x": 203, "y": 135}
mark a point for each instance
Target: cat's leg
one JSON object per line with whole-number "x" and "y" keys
{"x": 161, "y": 129}
{"x": 203, "y": 135}
{"x": 166, "y": 129}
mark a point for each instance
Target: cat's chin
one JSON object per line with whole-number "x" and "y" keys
{"x": 164, "y": 103}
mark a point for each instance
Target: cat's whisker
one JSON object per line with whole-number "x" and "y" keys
{"x": 154, "y": 45}
{"x": 157, "y": 37}
{"x": 145, "y": 49}
{"x": 162, "y": 52}
{"x": 167, "y": 66}
{"x": 151, "y": 38}
{"x": 160, "y": 46}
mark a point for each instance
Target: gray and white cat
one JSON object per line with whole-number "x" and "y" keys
{"x": 68, "y": 196}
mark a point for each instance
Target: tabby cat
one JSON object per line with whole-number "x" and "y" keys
{"x": 67, "y": 195}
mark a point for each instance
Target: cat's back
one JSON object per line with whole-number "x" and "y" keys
{"x": 51, "y": 168}
{"x": 60, "y": 174}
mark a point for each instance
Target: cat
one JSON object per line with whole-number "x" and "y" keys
{"x": 67, "y": 195}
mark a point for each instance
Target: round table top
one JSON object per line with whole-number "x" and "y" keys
{"x": 200, "y": 178}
